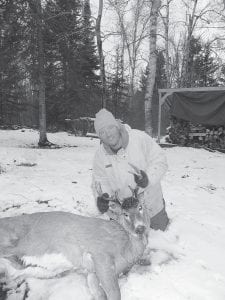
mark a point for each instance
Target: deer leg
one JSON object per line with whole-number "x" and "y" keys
{"x": 19, "y": 293}
{"x": 106, "y": 274}
{"x": 95, "y": 288}
{"x": 12, "y": 286}
{"x": 7, "y": 270}
{"x": 10, "y": 273}
{"x": 14, "y": 273}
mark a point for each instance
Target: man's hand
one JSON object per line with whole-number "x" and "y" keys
{"x": 103, "y": 203}
{"x": 141, "y": 179}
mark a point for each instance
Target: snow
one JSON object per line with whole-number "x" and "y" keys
{"x": 187, "y": 260}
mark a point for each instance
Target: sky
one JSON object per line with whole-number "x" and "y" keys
{"x": 178, "y": 16}
{"x": 187, "y": 260}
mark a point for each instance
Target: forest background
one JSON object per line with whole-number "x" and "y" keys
{"x": 68, "y": 58}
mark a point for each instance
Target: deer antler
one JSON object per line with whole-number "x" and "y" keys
{"x": 113, "y": 198}
{"x": 98, "y": 188}
{"x": 134, "y": 191}
{"x": 136, "y": 170}
{"x": 116, "y": 197}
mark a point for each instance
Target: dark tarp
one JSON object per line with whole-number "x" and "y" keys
{"x": 205, "y": 107}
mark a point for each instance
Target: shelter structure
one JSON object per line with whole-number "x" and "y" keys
{"x": 203, "y": 105}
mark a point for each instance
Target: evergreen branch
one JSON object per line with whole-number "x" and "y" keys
{"x": 64, "y": 13}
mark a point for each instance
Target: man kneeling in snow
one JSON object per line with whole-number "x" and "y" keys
{"x": 127, "y": 158}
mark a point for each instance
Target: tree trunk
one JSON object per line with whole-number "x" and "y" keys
{"x": 36, "y": 8}
{"x": 167, "y": 44}
{"x": 185, "y": 73}
{"x": 100, "y": 52}
{"x": 152, "y": 65}
{"x": 42, "y": 106}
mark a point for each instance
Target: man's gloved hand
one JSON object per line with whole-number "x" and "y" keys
{"x": 141, "y": 179}
{"x": 103, "y": 203}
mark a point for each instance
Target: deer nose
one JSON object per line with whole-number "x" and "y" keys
{"x": 140, "y": 229}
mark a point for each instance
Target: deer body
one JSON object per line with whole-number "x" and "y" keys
{"x": 103, "y": 249}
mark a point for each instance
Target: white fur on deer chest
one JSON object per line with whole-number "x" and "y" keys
{"x": 56, "y": 263}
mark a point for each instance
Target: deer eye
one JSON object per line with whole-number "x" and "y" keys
{"x": 126, "y": 215}
{"x": 140, "y": 208}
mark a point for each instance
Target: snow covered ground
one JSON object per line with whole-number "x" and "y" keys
{"x": 187, "y": 260}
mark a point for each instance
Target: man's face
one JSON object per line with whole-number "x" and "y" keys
{"x": 110, "y": 135}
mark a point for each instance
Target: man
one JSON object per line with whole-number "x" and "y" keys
{"x": 125, "y": 159}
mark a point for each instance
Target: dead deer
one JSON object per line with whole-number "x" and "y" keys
{"x": 104, "y": 249}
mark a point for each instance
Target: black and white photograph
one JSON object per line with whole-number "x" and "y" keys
{"x": 112, "y": 149}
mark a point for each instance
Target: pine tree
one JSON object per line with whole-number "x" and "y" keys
{"x": 62, "y": 36}
{"x": 70, "y": 43}
{"x": 88, "y": 60}
{"x": 203, "y": 65}
{"x": 70, "y": 61}
{"x": 118, "y": 88}
{"x": 88, "y": 57}
{"x": 12, "y": 69}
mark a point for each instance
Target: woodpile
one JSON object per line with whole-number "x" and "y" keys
{"x": 81, "y": 126}
{"x": 184, "y": 133}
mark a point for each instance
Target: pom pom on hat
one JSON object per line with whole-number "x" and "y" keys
{"x": 103, "y": 119}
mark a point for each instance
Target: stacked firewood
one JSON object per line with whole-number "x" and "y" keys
{"x": 178, "y": 131}
{"x": 184, "y": 133}
{"x": 81, "y": 126}
{"x": 215, "y": 138}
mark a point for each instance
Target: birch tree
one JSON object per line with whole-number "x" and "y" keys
{"x": 166, "y": 20}
{"x": 155, "y": 6}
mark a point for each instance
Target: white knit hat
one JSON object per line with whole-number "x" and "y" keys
{"x": 103, "y": 119}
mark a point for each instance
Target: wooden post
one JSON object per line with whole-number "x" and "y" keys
{"x": 159, "y": 117}
{"x": 161, "y": 101}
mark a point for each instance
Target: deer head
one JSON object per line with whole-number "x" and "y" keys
{"x": 131, "y": 213}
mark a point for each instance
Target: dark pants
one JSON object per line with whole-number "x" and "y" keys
{"x": 160, "y": 221}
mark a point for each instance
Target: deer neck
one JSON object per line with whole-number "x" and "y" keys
{"x": 135, "y": 247}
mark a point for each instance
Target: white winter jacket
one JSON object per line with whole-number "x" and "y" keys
{"x": 111, "y": 170}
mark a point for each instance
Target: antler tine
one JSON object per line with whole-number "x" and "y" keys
{"x": 113, "y": 198}
{"x": 135, "y": 169}
{"x": 99, "y": 191}
{"x": 134, "y": 191}
{"x": 116, "y": 196}
{"x": 98, "y": 188}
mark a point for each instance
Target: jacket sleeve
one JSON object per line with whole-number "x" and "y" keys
{"x": 156, "y": 160}
{"x": 100, "y": 180}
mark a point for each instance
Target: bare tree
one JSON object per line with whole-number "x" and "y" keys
{"x": 155, "y": 6}
{"x": 166, "y": 20}
{"x": 199, "y": 17}
{"x": 191, "y": 24}
{"x": 132, "y": 26}
{"x": 100, "y": 52}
